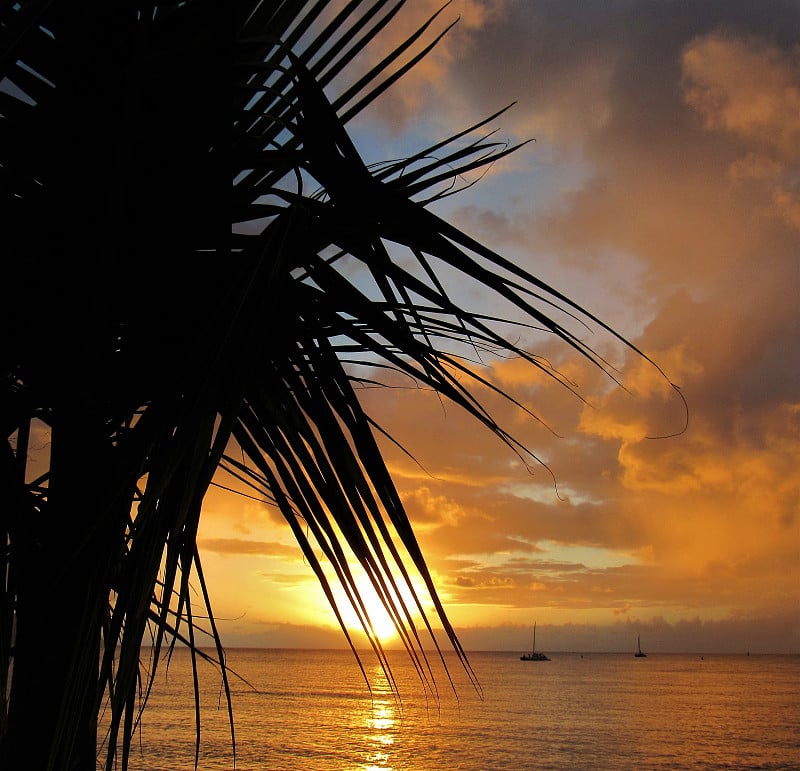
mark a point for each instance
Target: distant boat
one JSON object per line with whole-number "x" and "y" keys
{"x": 533, "y": 655}
{"x": 640, "y": 654}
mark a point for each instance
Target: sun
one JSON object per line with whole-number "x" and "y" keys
{"x": 379, "y": 617}
{"x": 383, "y": 626}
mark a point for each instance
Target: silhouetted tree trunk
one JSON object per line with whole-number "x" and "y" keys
{"x": 61, "y": 603}
{"x": 132, "y": 190}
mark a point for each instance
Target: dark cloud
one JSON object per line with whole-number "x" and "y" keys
{"x": 756, "y": 633}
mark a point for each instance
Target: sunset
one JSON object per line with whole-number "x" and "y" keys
{"x": 660, "y": 193}
{"x": 398, "y": 384}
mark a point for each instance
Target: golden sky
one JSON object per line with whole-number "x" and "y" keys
{"x": 663, "y": 193}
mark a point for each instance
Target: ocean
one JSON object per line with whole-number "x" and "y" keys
{"x": 307, "y": 710}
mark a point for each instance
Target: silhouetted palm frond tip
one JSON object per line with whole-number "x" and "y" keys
{"x": 162, "y": 348}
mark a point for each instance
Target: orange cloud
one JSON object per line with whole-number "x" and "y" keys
{"x": 398, "y": 106}
{"x": 242, "y": 546}
{"x": 432, "y": 510}
{"x": 751, "y": 89}
{"x": 745, "y": 87}
{"x": 787, "y": 206}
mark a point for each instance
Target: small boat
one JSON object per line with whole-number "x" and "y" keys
{"x": 640, "y": 654}
{"x": 533, "y": 655}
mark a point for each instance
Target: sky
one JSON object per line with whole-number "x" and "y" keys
{"x": 662, "y": 192}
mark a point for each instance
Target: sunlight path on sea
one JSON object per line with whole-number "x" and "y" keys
{"x": 312, "y": 711}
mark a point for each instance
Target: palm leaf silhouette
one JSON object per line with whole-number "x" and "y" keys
{"x": 160, "y": 348}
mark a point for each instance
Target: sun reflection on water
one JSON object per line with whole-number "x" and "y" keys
{"x": 380, "y": 734}
{"x": 380, "y": 725}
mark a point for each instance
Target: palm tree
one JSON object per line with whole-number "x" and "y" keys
{"x": 161, "y": 348}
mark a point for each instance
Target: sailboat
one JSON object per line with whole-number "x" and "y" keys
{"x": 533, "y": 655}
{"x": 640, "y": 654}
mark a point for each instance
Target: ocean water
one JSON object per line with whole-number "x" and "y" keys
{"x": 309, "y": 710}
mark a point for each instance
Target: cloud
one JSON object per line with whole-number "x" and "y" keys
{"x": 242, "y": 546}
{"x": 432, "y": 510}
{"x": 746, "y": 87}
{"x": 749, "y": 88}
{"x": 739, "y": 633}
{"x": 398, "y": 106}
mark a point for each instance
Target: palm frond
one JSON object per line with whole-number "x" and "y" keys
{"x": 131, "y": 137}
